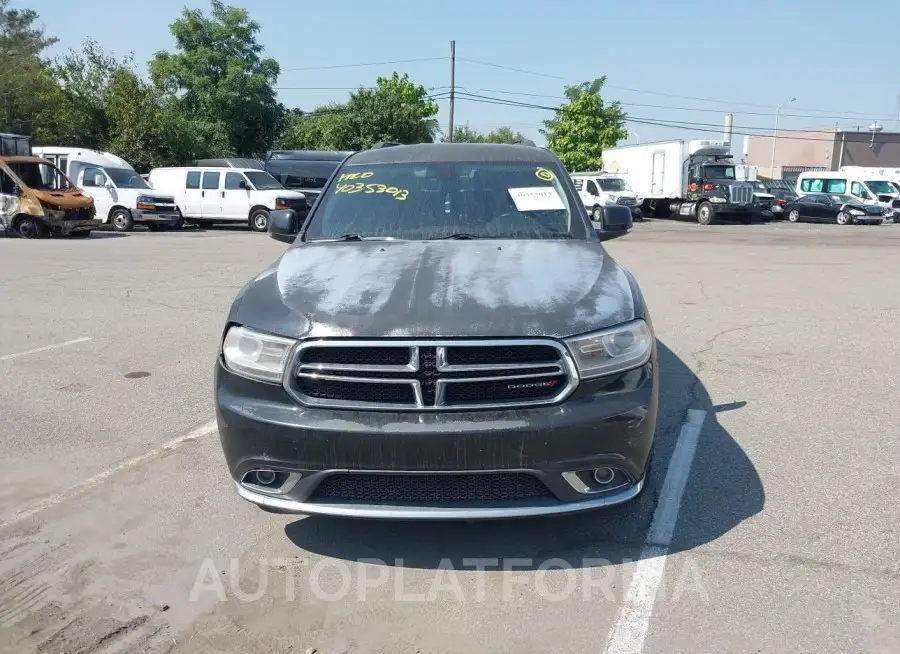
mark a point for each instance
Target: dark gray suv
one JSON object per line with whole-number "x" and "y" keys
{"x": 446, "y": 338}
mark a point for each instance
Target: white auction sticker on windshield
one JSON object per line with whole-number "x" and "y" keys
{"x": 536, "y": 198}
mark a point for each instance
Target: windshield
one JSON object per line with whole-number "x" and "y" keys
{"x": 881, "y": 186}
{"x": 718, "y": 172}
{"x": 759, "y": 186}
{"x": 303, "y": 174}
{"x": 42, "y": 176}
{"x": 613, "y": 184}
{"x": 125, "y": 178}
{"x": 263, "y": 181}
{"x": 439, "y": 200}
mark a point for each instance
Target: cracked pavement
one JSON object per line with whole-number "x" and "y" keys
{"x": 788, "y": 537}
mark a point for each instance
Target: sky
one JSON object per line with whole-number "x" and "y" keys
{"x": 686, "y": 62}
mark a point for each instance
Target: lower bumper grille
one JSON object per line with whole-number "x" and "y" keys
{"x": 419, "y": 488}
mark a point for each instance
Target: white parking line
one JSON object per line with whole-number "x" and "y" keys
{"x": 630, "y": 629}
{"x": 90, "y": 482}
{"x": 16, "y": 355}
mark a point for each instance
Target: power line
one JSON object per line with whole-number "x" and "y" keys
{"x": 368, "y": 63}
{"x": 659, "y": 93}
{"x": 699, "y": 127}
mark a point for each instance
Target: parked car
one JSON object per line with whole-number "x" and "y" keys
{"x": 306, "y": 171}
{"x": 777, "y": 194}
{"x": 842, "y": 209}
{"x": 446, "y": 338}
{"x": 121, "y": 196}
{"x": 208, "y": 195}
{"x": 37, "y": 200}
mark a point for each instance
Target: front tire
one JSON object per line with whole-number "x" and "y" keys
{"x": 843, "y": 218}
{"x": 705, "y": 213}
{"x": 793, "y": 215}
{"x": 121, "y": 220}
{"x": 29, "y": 227}
{"x": 596, "y": 213}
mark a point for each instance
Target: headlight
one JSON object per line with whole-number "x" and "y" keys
{"x": 718, "y": 200}
{"x": 611, "y": 350}
{"x": 857, "y": 212}
{"x": 146, "y": 199}
{"x": 258, "y": 356}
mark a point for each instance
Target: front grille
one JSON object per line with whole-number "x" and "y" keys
{"x": 628, "y": 202}
{"x": 78, "y": 214}
{"x": 431, "y": 375}
{"x": 437, "y": 488}
{"x": 741, "y": 194}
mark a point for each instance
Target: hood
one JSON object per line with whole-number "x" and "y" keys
{"x": 379, "y": 289}
{"x": 64, "y": 199}
{"x": 282, "y": 193}
{"x": 160, "y": 197}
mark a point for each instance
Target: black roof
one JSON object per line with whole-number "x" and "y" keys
{"x": 307, "y": 155}
{"x": 449, "y": 152}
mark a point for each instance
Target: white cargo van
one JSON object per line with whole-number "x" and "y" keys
{"x": 121, "y": 195}
{"x": 207, "y": 195}
{"x": 599, "y": 189}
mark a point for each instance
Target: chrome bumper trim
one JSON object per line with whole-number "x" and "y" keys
{"x": 391, "y": 512}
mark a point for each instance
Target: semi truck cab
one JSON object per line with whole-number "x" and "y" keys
{"x": 711, "y": 187}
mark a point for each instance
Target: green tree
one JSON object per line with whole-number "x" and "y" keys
{"x": 584, "y": 126}
{"x": 324, "y": 128}
{"x": 23, "y": 78}
{"x": 74, "y": 110}
{"x": 466, "y": 134}
{"x": 395, "y": 110}
{"x": 219, "y": 75}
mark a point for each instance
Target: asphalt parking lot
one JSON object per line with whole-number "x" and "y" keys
{"x": 770, "y": 525}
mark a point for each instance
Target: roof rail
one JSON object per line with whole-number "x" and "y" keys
{"x": 383, "y": 144}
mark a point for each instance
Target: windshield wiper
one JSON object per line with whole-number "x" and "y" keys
{"x": 460, "y": 236}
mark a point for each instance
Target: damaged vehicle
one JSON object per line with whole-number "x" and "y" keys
{"x": 445, "y": 338}
{"x": 37, "y": 200}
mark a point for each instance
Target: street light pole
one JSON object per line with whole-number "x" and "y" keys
{"x": 775, "y": 135}
{"x": 636, "y": 135}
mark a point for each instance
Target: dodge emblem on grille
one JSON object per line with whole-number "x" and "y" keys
{"x": 544, "y": 384}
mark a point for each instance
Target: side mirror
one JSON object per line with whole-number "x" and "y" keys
{"x": 99, "y": 180}
{"x": 244, "y": 185}
{"x": 616, "y": 220}
{"x": 284, "y": 225}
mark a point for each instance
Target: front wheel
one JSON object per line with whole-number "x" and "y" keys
{"x": 843, "y": 218}
{"x": 704, "y": 214}
{"x": 121, "y": 220}
{"x": 793, "y": 215}
{"x": 259, "y": 220}
{"x": 29, "y": 227}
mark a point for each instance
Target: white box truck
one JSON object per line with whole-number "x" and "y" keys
{"x": 694, "y": 179}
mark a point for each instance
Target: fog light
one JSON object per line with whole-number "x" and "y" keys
{"x": 604, "y": 475}
{"x": 265, "y": 477}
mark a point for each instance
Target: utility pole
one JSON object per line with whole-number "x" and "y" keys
{"x": 452, "y": 84}
{"x": 898, "y": 112}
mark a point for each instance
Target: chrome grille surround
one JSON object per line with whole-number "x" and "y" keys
{"x": 741, "y": 194}
{"x": 627, "y": 201}
{"x": 368, "y": 373}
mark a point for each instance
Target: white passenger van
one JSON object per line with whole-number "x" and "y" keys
{"x": 121, "y": 195}
{"x": 207, "y": 195}
{"x": 867, "y": 187}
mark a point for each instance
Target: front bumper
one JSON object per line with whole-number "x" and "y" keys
{"x": 608, "y": 422}
{"x": 65, "y": 227}
{"x": 145, "y": 216}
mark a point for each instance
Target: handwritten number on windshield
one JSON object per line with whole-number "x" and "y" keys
{"x": 360, "y": 187}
